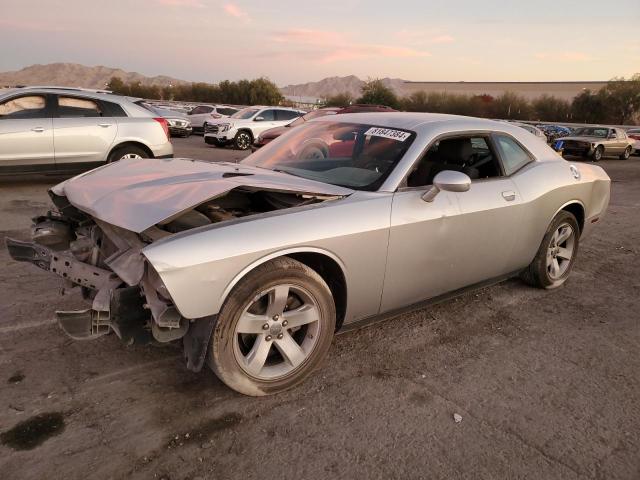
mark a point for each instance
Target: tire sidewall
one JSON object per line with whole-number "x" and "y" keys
{"x": 598, "y": 154}
{"x": 221, "y": 357}
{"x": 541, "y": 257}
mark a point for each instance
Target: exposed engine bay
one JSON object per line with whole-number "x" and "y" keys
{"x": 105, "y": 262}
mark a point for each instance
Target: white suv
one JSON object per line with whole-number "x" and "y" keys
{"x": 59, "y": 130}
{"x": 242, "y": 127}
{"x": 207, "y": 113}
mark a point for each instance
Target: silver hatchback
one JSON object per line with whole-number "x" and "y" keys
{"x": 57, "y": 130}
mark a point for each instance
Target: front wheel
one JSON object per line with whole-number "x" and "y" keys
{"x": 243, "y": 140}
{"x": 626, "y": 154}
{"x": 274, "y": 329}
{"x": 597, "y": 154}
{"x": 553, "y": 262}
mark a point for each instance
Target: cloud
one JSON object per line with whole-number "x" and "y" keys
{"x": 420, "y": 37}
{"x": 235, "y": 11}
{"x": 564, "y": 56}
{"x": 33, "y": 26}
{"x": 327, "y": 46}
{"x": 181, "y": 3}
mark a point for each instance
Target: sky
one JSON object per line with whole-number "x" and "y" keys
{"x": 297, "y": 41}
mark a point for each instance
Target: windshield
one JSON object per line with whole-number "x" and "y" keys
{"x": 351, "y": 155}
{"x": 311, "y": 115}
{"x": 592, "y": 132}
{"x": 245, "y": 113}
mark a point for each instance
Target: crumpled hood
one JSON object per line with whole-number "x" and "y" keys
{"x": 136, "y": 194}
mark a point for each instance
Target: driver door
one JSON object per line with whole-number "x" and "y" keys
{"x": 457, "y": 240}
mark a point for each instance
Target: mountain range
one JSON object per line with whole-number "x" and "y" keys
{"x": 76, "y": 75}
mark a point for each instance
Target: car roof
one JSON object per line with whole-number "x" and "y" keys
{"x": 413, "y": 121}
{"x": 96, "y": 94}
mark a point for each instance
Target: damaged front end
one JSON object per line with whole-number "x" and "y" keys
{"x": 106, "y": 263}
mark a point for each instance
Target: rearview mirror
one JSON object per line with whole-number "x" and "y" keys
{"x": 258, "y": 119}
{"x": 449, "y": 181}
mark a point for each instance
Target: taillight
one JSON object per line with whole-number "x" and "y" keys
{"x": 165, "y": 125}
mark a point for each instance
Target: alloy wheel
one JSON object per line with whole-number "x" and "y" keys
{"x": 129, "y": 155}
{"x": 277, "y": 332}
{"x": 560, "y": 251}
{"x": 243, "y": 141}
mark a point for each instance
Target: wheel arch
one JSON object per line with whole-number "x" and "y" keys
{"x": 576, "y": 208}
{"x": 131, "y": 143}
{"x": 325, "y": 263}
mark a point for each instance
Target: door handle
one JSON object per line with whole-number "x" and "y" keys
{"x": 38, "y": 129}
{"x": 104, "y": 125}
{"x": 509, "y": 195}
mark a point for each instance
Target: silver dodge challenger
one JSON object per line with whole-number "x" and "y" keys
{"x": 255, "y": 266}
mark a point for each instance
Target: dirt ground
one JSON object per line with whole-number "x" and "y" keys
{"x": 547, "y": 382}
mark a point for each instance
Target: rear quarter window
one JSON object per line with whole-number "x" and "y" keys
{"x": 513, "y": 155}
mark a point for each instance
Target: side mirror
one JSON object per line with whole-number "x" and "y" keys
{"x": 449, "y": 181}
{"x": 258, "y": 119}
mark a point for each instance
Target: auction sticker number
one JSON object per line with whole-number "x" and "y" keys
{"x": 388, "y": 133}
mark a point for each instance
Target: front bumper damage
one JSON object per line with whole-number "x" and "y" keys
{"x": 127, "y": 297}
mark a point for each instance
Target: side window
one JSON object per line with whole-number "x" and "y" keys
{"x": 72, "y": 107}
{"x": 287, "y": 114}
{"x": 198, "y": 110}
{"x": 30, "y": 106}
{"x": 226, "y": 111}
{"x": 471, "y": 155}
{"x": 514, "y": 157}
{"x": 113, "y": 110}
{"x": 267, "y": 115}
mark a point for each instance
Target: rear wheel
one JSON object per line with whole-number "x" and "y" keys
{"x": 553, "y": 262}
{"x": 274, "y": 329}
{"x": 597, "y": 154}
{"x": 126, "y": 152}
{"x": 626, "y": 154}
{"x": 243, "y": 140}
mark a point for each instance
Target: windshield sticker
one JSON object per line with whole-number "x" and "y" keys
{"x": 388, "y": 133}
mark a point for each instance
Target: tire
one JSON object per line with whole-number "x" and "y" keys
{"x": 626, "y": 154}
{"x": 251, "y": 351}
{"x": 128, "y": 151}
{"x": 543, "y": 272}
{"x": 243, "y": 140}
{"x": 597, "y": 154}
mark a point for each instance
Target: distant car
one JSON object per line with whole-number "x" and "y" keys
{"x": 178, "y": 123}
{"x": 202, "y": 113}
{"x": 533, "y": 130}
{"x": 554, "y": 131}
{"x": 274, "y": 133}
{"x": 595, "y": 143}
{"x": 634, "y": 134}
{"x": 252, "y": 267}
{"x": 241, "y": 128}
{"x": 57, "y": 129}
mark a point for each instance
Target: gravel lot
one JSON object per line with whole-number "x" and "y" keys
{"x": 547, "y": 383}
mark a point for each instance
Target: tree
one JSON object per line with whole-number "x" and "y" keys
{"x": 340, "y": 100}
{"x": 116, "y": 85}
{"x": 622, "y": 98}
{"x": 375, "y": 92}
{"x": 550, "y": 109}
{"x": 588, "y": 107}
{"x": 510, "y": 106}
